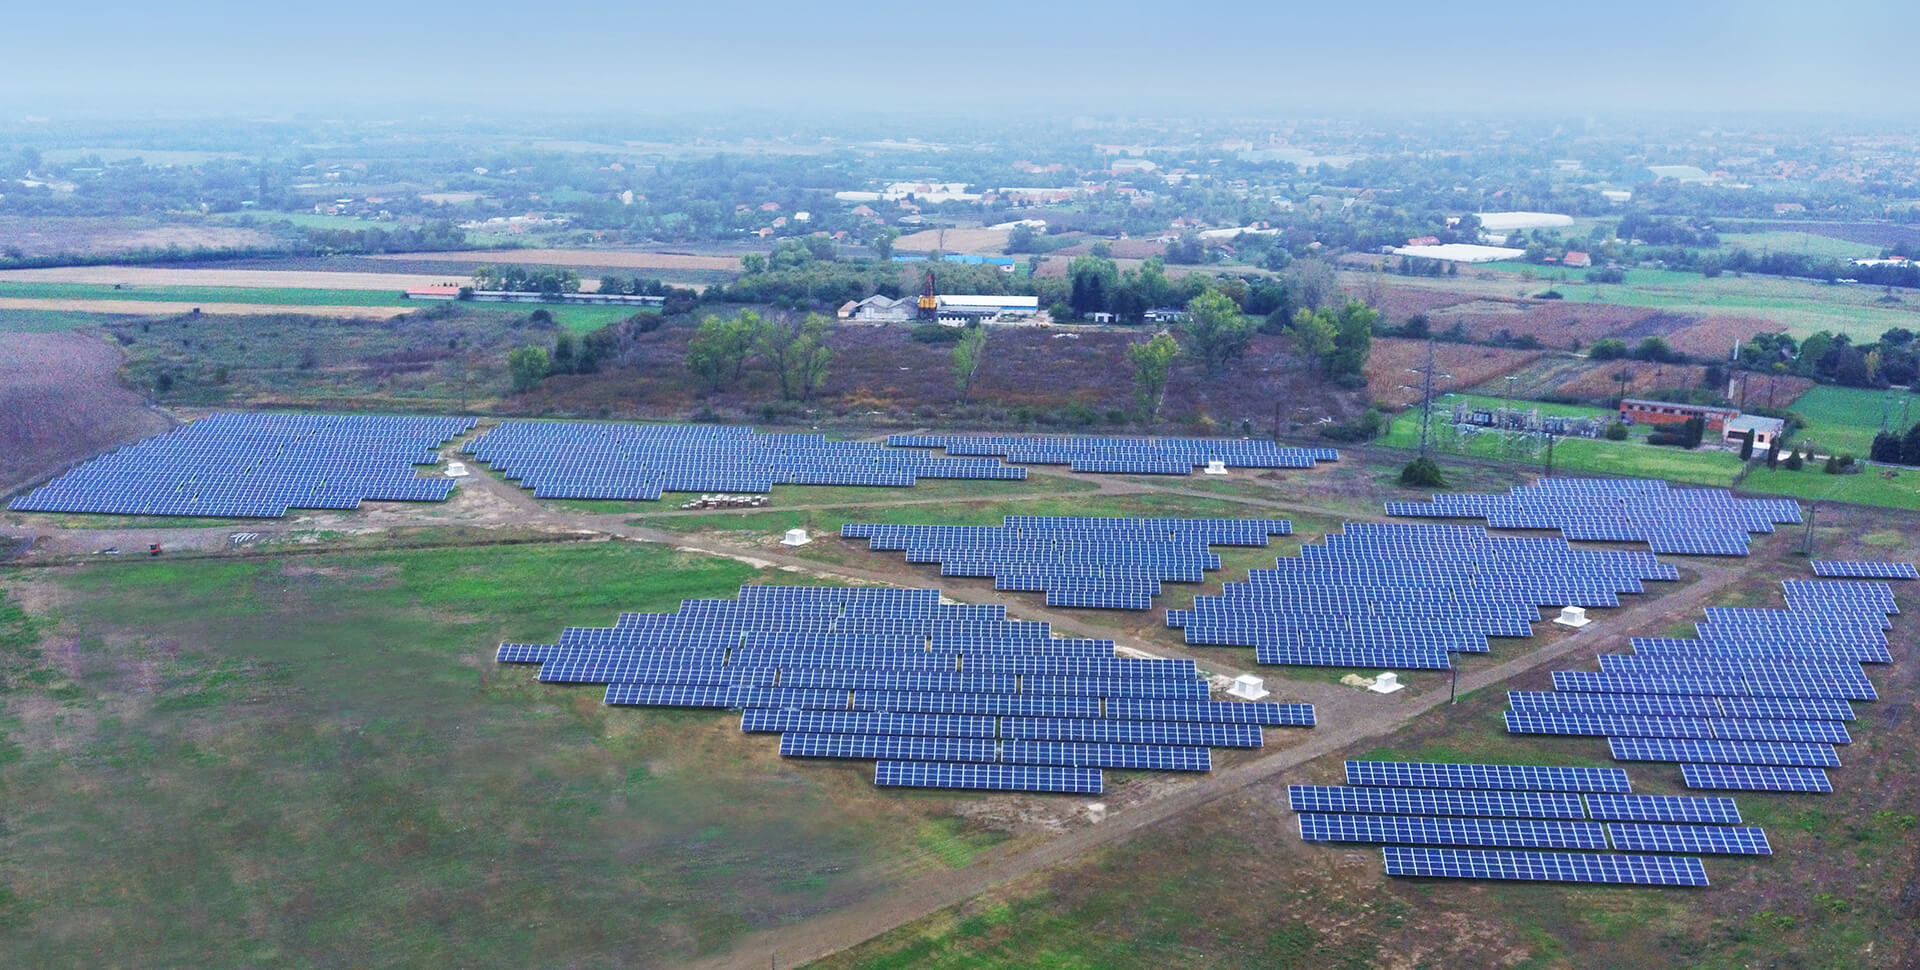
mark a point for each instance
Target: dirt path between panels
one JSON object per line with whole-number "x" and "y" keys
{"x": 1347, "y": 718}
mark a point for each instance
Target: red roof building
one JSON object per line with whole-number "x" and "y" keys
{"x": 1576, "y": 260}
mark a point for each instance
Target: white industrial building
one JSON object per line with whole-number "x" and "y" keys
{"x": 955, "y": 309}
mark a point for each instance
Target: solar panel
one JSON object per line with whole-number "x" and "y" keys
{"x": 1663, "y": 808}
{"x": 874, "y": 746}
{"x": 1637, "y": 870}
{"x": 1865, "y": 570}
{"x": 1796, "y": 708}
{"x": 1146, "y": 757}
{"x": 1414, "y": 774}
{"x": 1026, "y": 778}
{"x": 1756, "y": 778}
{"x": 867, "y": 722}
{"x": 1724, "y": 752}
{"x": 1645, "y": 705}
{"x": 1132, "y": 732}
{"x": 1434, "y": 801}
{"x": 1709, "y": 839}
{"x": 1418, "y": 830}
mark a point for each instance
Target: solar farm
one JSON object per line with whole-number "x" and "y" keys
{"x": 258, "y": 466}
{"x": 838, "y": 694}
{"x": 1678, "y": 521}
{"x": 937, "y": 695}
{"x": 1076, "y": 560}
{"x": 1491, "y": 821}
{"x": 1134, "y": 456}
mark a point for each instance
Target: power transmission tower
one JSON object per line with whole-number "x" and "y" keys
{"x": 1426, "y": 410}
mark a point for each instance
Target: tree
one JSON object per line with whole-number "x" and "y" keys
{"x": 796, "y": 353}
{"x": 1152, "y": 361}
{"x": 1091, "y": 282}
{"x": 1352, "y": 340}
{"x": 1746, "y": 447}
{"x": 527, "y": 365}
{"x": 1886, "y": 448}
{"x": 719, "y": 350}
{"x": 1313, "y": 333}
{"x": 1657, "y": 351}
{"x": 1216, "y": 332}
{"x": 967, "y": 356}
{"x": 1312, "y": 283}
{"x": 1608, "y": 349}
{"x": 1021, "y": 239}
{"x": 563, "y": 358}
{"x": 1910, "y": 446}
{"x": 882, "y": 245}
{"x": 1423, "y": 472}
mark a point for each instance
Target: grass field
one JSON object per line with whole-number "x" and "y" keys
{"x": 49, "y": 321}
{"x": 1869, "y": 487}
{"x": 789, "y": 495}
{"x": 958, "y": 512}
{"x": 1843, "y": 420}
{"x": 1632, "y": 457}
{"x": 1803, "y": 243}
{"x": 314, "y": 760}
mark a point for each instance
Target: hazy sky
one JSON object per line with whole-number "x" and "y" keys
{"x": 1029, "y": 57}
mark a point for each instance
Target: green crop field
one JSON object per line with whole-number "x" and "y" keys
{"x": 314, "y": 760}
{"x": 1802, "y": 243}
{"x": 1843, "y": 420}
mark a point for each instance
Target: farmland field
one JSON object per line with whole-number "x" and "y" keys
{"x": 244, "y": 281}
{"x": 614, "y": 258}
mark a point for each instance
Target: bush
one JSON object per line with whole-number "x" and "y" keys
{"x": 1616, "y": 431}
{"x": 1549, "y": 295}
{"x": 1840, "y": 465}
{"x": 1792, "y": 462}
{"x": 1366, "y": 427}
{"x": 1423, "y": 473}
{"x": 1608, "y": 350}
{"x": 933, "y": 333}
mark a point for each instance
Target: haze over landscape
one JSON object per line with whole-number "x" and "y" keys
{"x": 867, "y": 487}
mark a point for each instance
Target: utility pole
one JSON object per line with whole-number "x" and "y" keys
{"x": 1813, "y": 511}
{"x": 1426, "y": 409}
{"x": 1550, "y": 441}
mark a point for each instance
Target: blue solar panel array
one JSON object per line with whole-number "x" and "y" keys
{"x": 1632, "y": 870}
{"x": 1857, "y": 569}
{"x": 1478, "y": 815}
{"x": 1690, "y": 521}
{"x": 1140, "y": 456}
{"x": 1767, "y": 689}
{"x": 640, "y": 461}
{"x": 939, "y": 694}
{"x": 258, "y": 466}
{"x": 1408, "y": 596}
{"x": 1112, "y": 563}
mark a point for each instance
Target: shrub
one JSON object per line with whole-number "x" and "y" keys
{"x": 933, "y": 333}
{"x": 1366, "y": 427}
{"x": 1792, "y": 462}
{"x": 1423, "y": 473}
{"x": 1616, "y": 431}
{"x": 1608, "y": 349}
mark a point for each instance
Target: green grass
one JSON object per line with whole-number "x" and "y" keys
{"x": 1632, "y": 457}
{"x": 1843, "y": 420}
{"x": 1802, "y": 243}
{"x": 276, "y": 296}
{"x": 314, "y": 760}
{"x": 1866, "y": 488}
{"x": 1801, "y": 307}
{"x": 49, "y": 321}
{"x": 829, "y": 520}
{"x": 789, "y": 495}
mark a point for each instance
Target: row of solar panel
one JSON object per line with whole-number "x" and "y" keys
{"x": 875, "y": 747}
{"x": 1008, "y": 705}
{"x": 1498, "y": 803}
{"x": 1534, "y": 834}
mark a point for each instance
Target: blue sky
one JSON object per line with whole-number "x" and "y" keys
{"x": 1030, "y": 57}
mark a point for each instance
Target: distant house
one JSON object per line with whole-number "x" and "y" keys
{"x": 1573, "y": 260}
{"x": 1763, "y": 431}
{"x": 1787, "y": 208}
{"x": 437, "y": 291}
{"x": 1424, "y": 241}
{"x": 1165, "y": 314}
{"x": 877, "y": 309}
{"x": 1634, "y": 411}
